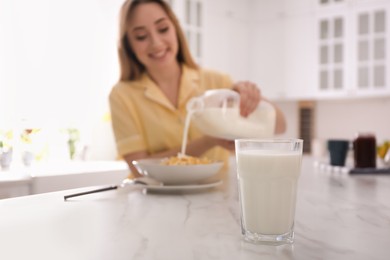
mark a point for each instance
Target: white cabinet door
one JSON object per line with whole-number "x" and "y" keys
{"x": 12, "y": 189}
{"x": 266, "y": 48}
{"x": 266, "y": 60}
{"x": 371, "y": 47}
{"x": 333, "y": 58}
{"x": 353, "y": 49}
{"x": 300, "y": 53}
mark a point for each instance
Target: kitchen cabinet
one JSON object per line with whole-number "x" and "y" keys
{"x": 266, "y": 47}
{"x": 352, "y": 46}
{"x": 371, "y": 46}
{"x": 323, "y": 49}
{"x": 332, "y": 57}
{"x": 299, "y": 56}
{"x": 14, "y": 185}
{"x": 14, "y": 190}
{"x": 71, "y": 175}
{"x": 48, "y": 177}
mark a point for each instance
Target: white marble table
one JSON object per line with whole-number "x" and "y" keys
{"x": 54, "y": 176}
{"x": 338, "y": 217}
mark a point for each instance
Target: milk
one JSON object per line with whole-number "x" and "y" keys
{"x": 185, "y": 133}
{"x": 268, "y": 188}
{"x": 229, "y": 124}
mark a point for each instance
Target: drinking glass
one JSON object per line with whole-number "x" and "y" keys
{"x": 268, "y": 172}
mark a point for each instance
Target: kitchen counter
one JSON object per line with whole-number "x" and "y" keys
{"x": 47, "y": 177}
{"x": 14, "y": 184}
{"x": 338, "y": 216}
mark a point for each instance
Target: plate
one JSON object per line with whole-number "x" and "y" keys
{"x": 177, "y": 174}
{"x": 188, "y": 187}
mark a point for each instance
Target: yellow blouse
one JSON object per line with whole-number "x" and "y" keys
{"x": 143, "y": 118}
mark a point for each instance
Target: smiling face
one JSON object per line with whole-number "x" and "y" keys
{"x": 152, "y": 36}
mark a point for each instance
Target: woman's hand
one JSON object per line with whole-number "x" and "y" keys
{"x": 250, "y": 96}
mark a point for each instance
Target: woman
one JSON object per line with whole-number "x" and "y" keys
{"x": 158, "y": 76}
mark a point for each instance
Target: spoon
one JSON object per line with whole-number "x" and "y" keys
{"x": 142, "y": 181}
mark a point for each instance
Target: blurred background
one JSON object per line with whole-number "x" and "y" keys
{"x": 324, "y": 62}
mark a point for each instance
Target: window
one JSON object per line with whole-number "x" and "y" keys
{"x": 58, "y": 62}
{"x": 193, "y": 22}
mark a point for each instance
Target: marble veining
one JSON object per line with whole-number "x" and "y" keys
{"x": 338, "y": 216}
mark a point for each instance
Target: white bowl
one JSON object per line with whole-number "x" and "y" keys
{"x": 176, "y": 174}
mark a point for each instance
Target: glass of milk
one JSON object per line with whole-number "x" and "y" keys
{"x": 268, "y": 172}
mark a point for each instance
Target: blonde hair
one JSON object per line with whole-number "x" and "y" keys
{"x": 130, "y": 67}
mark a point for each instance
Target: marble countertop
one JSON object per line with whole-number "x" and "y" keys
{"x": 44, "y": 177}
{"x": 338, "y": 216}
{"x": 61, "y": 168}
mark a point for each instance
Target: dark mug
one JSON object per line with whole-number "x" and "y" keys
{"x": 338, "y": 150}
{"x": 364, "y": 150}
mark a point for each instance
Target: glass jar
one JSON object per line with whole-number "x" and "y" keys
{"x": 364, "y": 150}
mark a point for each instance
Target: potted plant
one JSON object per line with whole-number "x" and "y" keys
{"x": 6, "y": 138}
{"x": 26, "y": 138}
